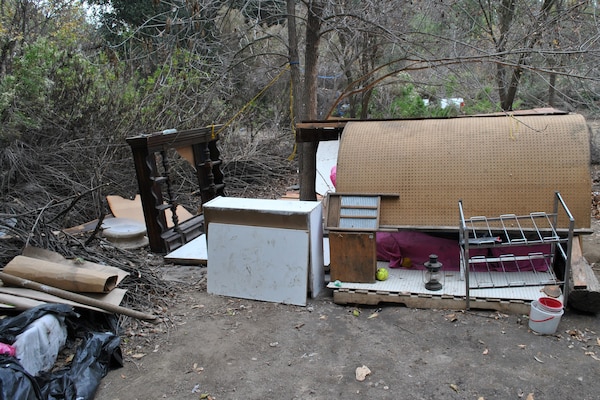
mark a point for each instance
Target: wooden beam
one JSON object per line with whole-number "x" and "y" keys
{"x": 344, "y": 297}
{"x": 584, "y": 287}
{"x": 170, "y": 138}
{"x": 579, "y": 265}
{"x": 316, "y": 131}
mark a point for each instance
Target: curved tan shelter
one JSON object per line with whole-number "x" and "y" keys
{"x": 495, "y": 164}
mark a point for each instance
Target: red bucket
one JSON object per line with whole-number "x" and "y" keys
{"x": 550, "y": 304}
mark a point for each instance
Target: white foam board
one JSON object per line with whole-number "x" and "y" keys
{"x": 193, "y": 252}
{"x": 327, "y": 154}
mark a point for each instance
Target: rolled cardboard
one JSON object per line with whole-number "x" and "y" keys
{"x": 61, "y": 276}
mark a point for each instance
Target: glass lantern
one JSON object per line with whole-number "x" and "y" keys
{"x": 433, "y": 274}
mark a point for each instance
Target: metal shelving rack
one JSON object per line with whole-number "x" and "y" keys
{"x": 516, "y": 250}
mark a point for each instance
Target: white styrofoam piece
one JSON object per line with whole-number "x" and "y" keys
{"x": 251, "y": 262}
{"x": 412, "y": 281}
{"x": 270, "y": 206}
{"x": 192, "y": 251}
{"x": 326, "y": 255}
{"x": 316, "y": 268}
{"x": 327, "y": 154}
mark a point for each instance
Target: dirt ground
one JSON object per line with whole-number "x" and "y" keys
{"x": 215, "y": 347}
{"x": 229, "y": 348}
{"x": 225, "y": 348}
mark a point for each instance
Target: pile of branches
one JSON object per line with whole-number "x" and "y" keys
{"x": 60, "y": 183}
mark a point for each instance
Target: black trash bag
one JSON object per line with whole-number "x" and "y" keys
{"x": 13, "y": 326}
{"x": 15, "y": 382}
{"x": 98, "y": 353}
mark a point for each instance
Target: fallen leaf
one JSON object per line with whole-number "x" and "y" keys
{"x": 530, "y": 396}
{"x": 323, "y": 317}
{"x": 374, "y": 315}
{"x": 598, "y": 341}
{"x": 485, "y": 352}
{"x": 451, "y": 317}
{"x": 522, "y": 346}
{"x": 356, "y": 312}
{"x": 538, "y": 360}
{"x": 137, "y": 356}
{"x": 362, "y": 372}
{"x": 454, "y": 387}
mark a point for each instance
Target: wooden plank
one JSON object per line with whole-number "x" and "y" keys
{"x": 584, "y": 293}
{"x": 579, "y": 265}
{"x": 423, "y": 301}
{"x": 158, "y": 141}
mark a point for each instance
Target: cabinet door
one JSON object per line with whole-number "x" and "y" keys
{"x": 353, "y": 256}
{"x": 253, "y": 262}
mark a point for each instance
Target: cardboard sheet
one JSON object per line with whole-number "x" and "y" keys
{"x": 22, "y": 299}
{"x": 132, "y": 209}
{"x": 495, "y": 164}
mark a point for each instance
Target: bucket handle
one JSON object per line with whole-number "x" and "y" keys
{"x": 542, "y": 320}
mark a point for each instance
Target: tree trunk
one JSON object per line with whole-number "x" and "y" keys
{"x": 297, "y": 110}
{"x": 309, "y": 149}
{"x": 552, "y": 91}
{"x": 508, "y": 94}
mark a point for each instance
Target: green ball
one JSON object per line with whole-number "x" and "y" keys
{"x": 382, "y": 274}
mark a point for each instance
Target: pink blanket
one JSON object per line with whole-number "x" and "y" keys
{"x": 410, "y": 249}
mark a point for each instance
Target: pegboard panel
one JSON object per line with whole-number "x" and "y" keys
{"x": 496, "y": 165}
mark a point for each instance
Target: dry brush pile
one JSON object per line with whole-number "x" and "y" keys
{"x": 52, "y": 183}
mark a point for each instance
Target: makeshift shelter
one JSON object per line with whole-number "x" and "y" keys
{"x": 493, "y": 165}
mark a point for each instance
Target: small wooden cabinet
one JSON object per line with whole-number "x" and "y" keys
{"x": 352, "y": 221}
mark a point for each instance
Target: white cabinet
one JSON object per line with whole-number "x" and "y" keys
{"x": 270, "y": 250}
